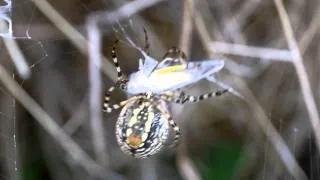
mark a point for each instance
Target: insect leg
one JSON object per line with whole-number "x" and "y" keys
{"x": 176, "y": 51}
{"x": 173, "y": 57}
{"x": 146, "y": 38}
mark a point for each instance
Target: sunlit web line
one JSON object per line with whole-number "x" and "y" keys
{"x": 45, "y": 55}
{"x": 127, "y": 36}
{"x": 266, "y": 147}
{"x": 6, "y": 19}
{"x": 310, "y": 152}
{"x": 14, "y": 134}
{"x": 37, "y": 44}
{"x": 9, "y": 137}
{"x": 5, "y": 115}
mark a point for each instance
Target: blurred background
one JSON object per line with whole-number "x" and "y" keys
{"x": 268, "y": 134}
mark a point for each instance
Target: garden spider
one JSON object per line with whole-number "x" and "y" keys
{"x": 144, "y": 122}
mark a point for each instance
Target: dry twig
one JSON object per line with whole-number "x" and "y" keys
{"x": 72, "y": 148}
{"x": 97, "y": 130}
{"x": 262, "y": 120}
{"x": 186, "y": 166}
{"x": 15, "y": 53}
{"x": 301, "y": 71}
{"x": 250, "y": 51}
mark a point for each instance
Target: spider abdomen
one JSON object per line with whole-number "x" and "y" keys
{"x": 142, "y": 127}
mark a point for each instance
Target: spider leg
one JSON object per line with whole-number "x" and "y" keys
{"x": 115, "y": 60}
{"x": 146, "y": 39}
{"x": 176, "y": 129}
{"x": 211, "y": 78}
{"x": 121, "y": 83}
{"x": 109, "y": 108}
{"x": 183, "y": 97}
{"x": 106, "y": 106}
{"x": 174, "y": 126}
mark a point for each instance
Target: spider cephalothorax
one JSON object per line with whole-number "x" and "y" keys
{"x": 143, "y": 125}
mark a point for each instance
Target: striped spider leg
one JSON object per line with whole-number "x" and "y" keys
{"x": 121, "y": 79}
{"x": 174, "y": 126}
{"x": 143, "y": 125}
{"x": 144, "y": 122}
{"x": 182, "y": 98}
{"x": 120, "y": 83}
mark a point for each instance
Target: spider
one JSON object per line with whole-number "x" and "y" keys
{"x": 143, "y": 125}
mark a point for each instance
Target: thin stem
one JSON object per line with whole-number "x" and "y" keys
{"x": 16, "y": 55}
{"x": 97, "y": 130}
{"x": 72, "y": 148}
{"x": 261, "y": 119}
{"x": 186, "y": 27}
{"x": 74, "y": 36}
{"x": 250, "y": 51}
{"x": 301, "y": 71}
{"x": 186, "y": 166}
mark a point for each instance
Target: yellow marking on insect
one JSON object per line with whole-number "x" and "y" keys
{"x": 178, "y": 76}
{"x": 170, "y": 69}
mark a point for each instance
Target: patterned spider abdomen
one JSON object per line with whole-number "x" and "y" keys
{"x": 142, "y": 127}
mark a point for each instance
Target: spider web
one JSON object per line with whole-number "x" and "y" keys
{"x": 9, "y": 153}
{"x": 22, "y": 25}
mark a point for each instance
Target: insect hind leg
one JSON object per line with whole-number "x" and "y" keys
{"x": 231, "y": 90}
{"x": 173, "y": 57}
{"x": 146, "y": 39}
{"x": 174, "y": 51}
